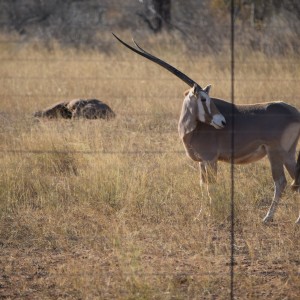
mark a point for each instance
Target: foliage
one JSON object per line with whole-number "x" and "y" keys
{"x": 269, "y": 26}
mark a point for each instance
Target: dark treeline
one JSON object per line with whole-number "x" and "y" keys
{"x": 271, "y": 26}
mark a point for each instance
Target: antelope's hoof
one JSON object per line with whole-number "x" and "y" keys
{"x": 295, "y": 187}
{"x": 267, "y": 219}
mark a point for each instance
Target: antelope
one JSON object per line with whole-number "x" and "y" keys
{"x": 57, "y": 110}
{"x": 77, "y": 108}
{"x": 205, "y": 128}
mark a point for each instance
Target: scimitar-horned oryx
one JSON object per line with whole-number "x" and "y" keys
{"x": 205, "y": 127}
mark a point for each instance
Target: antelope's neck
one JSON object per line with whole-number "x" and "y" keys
{"x": 186, "y": 139}
{"x": 188, "y": 117}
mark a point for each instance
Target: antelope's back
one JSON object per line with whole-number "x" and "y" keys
{"x": 261, "y": 122}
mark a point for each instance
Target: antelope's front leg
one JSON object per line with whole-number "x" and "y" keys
{"x": 208, "y": 172}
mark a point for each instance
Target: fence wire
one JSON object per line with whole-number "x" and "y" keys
{"x": 232, "y": 206}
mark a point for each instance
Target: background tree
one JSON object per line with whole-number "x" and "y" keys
{"x": 271, "y": 26}
{"x": 157, "y": 14}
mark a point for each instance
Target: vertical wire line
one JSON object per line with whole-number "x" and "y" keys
{"x": 232, "y": 235}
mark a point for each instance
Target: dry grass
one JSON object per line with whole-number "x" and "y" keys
{"x": 113, "y": 210}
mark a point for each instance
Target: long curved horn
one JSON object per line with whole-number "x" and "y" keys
{"x": 160, "y": 62}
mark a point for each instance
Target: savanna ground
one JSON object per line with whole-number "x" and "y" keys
{"x": 114, "y": 210}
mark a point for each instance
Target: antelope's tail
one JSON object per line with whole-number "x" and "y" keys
{"x": 296, "y": 183}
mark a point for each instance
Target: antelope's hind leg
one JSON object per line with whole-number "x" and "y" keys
{"x": 276, "y": 161}
{"x": 293, "y": 168}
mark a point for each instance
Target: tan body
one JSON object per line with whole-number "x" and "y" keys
{"x": 77, "y": 108}
{"x": 271, "y": 129}
{"x": 205, "y": 143}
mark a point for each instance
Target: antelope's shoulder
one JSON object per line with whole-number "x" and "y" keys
{"x": 75, "y": 103}
{"x": 57, "y": 105}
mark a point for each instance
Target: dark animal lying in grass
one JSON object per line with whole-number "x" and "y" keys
{"x": 78, "y": 108}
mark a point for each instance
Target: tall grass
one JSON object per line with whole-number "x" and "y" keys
{"x": 114, "y": 210}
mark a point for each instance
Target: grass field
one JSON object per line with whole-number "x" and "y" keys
{"x": 114, "y": 210}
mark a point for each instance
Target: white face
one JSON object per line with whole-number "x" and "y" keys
{"x": 208, "y": 112}
{"x": 203, "y": 99}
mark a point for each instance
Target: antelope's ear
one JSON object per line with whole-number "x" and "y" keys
{"x": 186, "y": 92}
{"x": 196, "y": 90}
{"x": 207, "y": 89}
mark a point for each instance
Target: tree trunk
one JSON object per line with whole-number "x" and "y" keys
{"x": 157, "y": 14}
